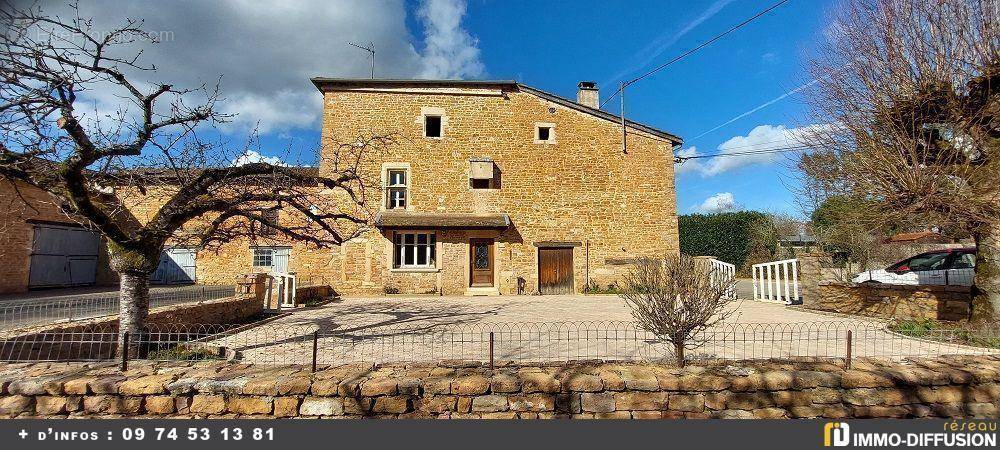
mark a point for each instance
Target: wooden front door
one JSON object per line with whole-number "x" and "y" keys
{"x": 481, "y": 262}
{"x": 555, "y": 270}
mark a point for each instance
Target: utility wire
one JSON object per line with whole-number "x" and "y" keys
{"x": 689, "y": 52}
{"x": 797, "y": 148}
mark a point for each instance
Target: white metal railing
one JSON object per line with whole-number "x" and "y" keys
{"x": 776, "y": 281}
{"x": 724, "y": 272}
{"x": 281, "y": 286}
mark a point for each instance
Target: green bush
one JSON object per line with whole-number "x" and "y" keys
{"x": 742, "y": 238}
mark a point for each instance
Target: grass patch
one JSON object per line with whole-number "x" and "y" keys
{"x": 185, "y": 353}
{"x": 974, "y": 334}
{"x": 594, "y": 288}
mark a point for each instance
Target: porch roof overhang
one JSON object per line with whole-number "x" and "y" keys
{"x": 427, "y": 220}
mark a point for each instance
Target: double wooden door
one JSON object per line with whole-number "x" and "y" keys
{"x": 555, "y": 270}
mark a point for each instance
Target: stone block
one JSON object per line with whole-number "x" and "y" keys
{"x": 613, "y": 415}
{"x": 583, "y": 382}
{"x": 46, "y": 405}
{"x": 379, "y": 386}
{"x": 208, "y": 404}
{"x": 597, "y": 401}
{"x": 408, "y": 386}
{"x": 532, "y": 402}
{"x": 505, "y": 383}
{"x": 286, "y": 406}
{"x": 322, "y": 406}
{"x": 249, "y": 405}
{"x": 110, "y": 404}
{"x": 646, "y": 415}
{"x": 147, "y": 385}
{"x": 160, "y": 404}
{"x": 392, "y": 404}
{"x": 641, "y": 401}
{"x": 437, "y": 385}
{"x": 489, "y": 403}
{"x": 863, "y": 379}
{"x": 470, "y": 385}
{"x": 825, "y": 395}
{"x": 464, "y": 404}
{"x": 16, "y": 404}
{"x": 294, "y": 385}
{"x": 612, "y": 380}
{"x": 749, "y": 400}
{"x": 436, "y": 404}
{"x": 568, "y": 403}
{"x": 687, "y": 402}
{"x": 77, "y": 386}
{"x": 539, "y": 382}
{"x": 769, "y": 413}
{"x": 733, "y": 414}
{"x": 639, "y": 379}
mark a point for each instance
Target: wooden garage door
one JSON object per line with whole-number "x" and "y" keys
{"x": 555, "y": 270}
{"x": 62, "y": 256}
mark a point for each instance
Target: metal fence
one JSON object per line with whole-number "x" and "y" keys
{"x": 307, "y": 343}
{"x": 41, "y": 311}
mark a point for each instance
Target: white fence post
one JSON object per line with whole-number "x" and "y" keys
{"x": 776, "y": 281}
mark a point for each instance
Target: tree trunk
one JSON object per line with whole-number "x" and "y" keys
{"x": 133, "y": 309}
{"x": 986, "y": 303}
{"x": 679, "y": 353}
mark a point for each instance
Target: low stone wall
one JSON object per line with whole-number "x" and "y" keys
{"x": 952, "y": 303}
{"x": 951, "y": 387}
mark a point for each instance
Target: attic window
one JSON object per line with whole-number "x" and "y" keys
{"x": 432, "y": 126}
{"x": 545, "y": 133}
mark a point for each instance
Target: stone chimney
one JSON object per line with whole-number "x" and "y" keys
{"x": 587, "y": 95}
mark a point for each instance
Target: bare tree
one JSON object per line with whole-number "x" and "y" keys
{"x": 140, "y": 174}
{"x": 677, "y": 299}
{"x": 909, "y": 89}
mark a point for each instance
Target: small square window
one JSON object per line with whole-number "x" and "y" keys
{"x": 544, "y": 133}
{"x": 432, "y": 126}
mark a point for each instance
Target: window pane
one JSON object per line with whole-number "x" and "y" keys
{"x": 421, "y": 255}
{"x": 421, "y": 239}
{"x": 409, "y": 254}
{"x": 543, "y": 133}
{"x": 408, "y": 238}
{"x": 397, "y": 253}
{"x": 433, "y": 253}
{"x": 397, "y": 178}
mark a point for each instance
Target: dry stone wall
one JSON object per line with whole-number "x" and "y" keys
{"x": 951, "y": 387}
{"x": 953, "y": 303}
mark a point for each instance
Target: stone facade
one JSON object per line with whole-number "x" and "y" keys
{"x": 950, "y": 387}
{"x": 25, "y": 207}
{"x": 953, "y": 303}
{"x": 578, "y": 189}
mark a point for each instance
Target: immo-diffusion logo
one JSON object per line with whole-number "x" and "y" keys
{"x": 836, "y": 434}
{"x": 953, "y": 434}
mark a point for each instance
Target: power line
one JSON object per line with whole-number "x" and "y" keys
{"x": 796, "y": 148}
{"x": 689, "y": 52}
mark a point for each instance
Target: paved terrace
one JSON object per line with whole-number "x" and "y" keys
{"x": 553, "y": 328}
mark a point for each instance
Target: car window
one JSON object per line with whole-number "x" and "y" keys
{"x": 930, "y": 261}
{"x": 964, "y": 261}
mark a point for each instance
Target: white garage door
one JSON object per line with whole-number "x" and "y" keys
{"x": 177, "y": 266}
{"x": 63, "y": 256}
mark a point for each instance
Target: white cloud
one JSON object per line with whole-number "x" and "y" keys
{"x": 266, "y": 52}
{"x": 691, "y": 165}
{"x": 721, "y": 202}
{"x": 450, "y": 52}
{"x": 253, "y": 156}
{"x": 762, "y": 137}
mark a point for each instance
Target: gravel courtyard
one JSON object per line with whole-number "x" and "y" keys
{"x": 551, "y": 328}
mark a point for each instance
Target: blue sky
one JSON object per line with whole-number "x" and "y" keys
{"x": 265, "y": 53}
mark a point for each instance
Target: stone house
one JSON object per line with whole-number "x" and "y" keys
{"x": 493, "y": 187}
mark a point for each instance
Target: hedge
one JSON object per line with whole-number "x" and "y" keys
{"x": 741, "y": 238}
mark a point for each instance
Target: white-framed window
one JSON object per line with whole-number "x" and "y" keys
{"x": 397, "y": 185}
{"x": 545, "y": 133}
{"x": 414, "y": 250}
{"x": 263, "y": 257}
{"x": 432, "y": 126}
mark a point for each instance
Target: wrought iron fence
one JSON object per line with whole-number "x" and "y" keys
{"x": 307, "y": 343}
{"x": 43, "y": 311}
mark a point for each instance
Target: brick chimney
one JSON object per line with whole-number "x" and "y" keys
{"x": 587, "y": 95}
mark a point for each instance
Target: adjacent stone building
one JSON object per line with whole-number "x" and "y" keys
{"x": 492, "y": 187}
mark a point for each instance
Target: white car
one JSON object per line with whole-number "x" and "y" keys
{"x": 952, "y": 267}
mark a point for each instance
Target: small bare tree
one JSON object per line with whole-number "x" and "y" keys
{"x": 677, "y": 299}
{"x": 138, "y": 172}
{"x": 909, "y": 90}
